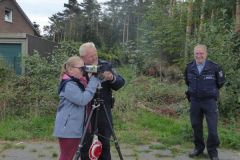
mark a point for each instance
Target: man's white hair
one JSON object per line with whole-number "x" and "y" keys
{"x": 202, "y": 46}
{"x": 84, "y": 46}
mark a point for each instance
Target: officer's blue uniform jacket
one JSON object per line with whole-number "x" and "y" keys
{"x": 206, "y": 84}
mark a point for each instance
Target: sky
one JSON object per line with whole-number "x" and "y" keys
{"x": 39, "y": 11}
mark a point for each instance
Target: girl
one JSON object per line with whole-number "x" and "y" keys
{"x": 74, "y": 94}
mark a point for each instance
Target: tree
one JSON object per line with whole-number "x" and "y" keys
{"x": 111, "y": 23}
{"x": 72, "y": 12}
{"x": 66, "y": 25}
{"x": 36, "y": 26}
{"x": 91, "y": 11}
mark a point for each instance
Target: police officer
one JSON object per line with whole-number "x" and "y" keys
{"x": 112, "y": 81}
{"x": 204, "y": 78}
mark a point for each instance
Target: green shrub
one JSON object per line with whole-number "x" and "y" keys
{"x": 35, "y": 92}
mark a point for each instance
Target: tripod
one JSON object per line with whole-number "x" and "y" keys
{"x": 97, "y": 103}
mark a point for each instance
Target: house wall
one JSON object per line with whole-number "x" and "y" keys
{"x": 18, "y": 25}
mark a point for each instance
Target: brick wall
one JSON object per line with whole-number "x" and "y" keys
{"x": 19, "y": 23}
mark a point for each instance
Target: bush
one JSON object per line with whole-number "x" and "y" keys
{"x": 6, "y": 87}
{"x": 35, "y": 92}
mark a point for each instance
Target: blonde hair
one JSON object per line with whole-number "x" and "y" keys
{"x": 84, "y": 46}
{"x": 202, "y": 46}
{"x": 71, "y": 62}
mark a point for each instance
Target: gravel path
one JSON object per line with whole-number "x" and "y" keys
{"x": 49, "y": 151}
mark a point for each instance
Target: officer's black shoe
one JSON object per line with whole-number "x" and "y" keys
{"x": 215, "y": 158}
{"x": 195, "y": 153}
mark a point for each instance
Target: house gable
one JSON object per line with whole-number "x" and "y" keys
{"x": 14, "y": 20}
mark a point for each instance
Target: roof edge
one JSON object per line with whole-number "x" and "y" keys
{"x": 26, "y": 17}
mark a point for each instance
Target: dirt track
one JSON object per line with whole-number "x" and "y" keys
{"x": 49, "y": 151}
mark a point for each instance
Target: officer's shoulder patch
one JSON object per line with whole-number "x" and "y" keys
{"x": 220, "y": 73}
{"x": 211, "y": 62}
{"x": 190, "y": 63}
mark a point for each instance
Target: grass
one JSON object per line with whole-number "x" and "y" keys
{"x": 135, "y": 127}
{"x": 16, "y": 128}
{"x": 5, "y": 146}
{"x": 229, "y": 137}
{"x": 145, "y": 127}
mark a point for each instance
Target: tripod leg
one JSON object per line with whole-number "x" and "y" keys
{"x": 78, "y": 153}
{"x": 113, "y": 134}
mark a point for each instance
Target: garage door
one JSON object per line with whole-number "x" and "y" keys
{"x": 11, "y": 53}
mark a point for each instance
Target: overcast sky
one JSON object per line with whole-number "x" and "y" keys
{"x": 39, "y": 11}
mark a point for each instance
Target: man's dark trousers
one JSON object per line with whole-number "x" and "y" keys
{"x": 104, "y": 135}
{"x": 208, "y": 108}
{"x": 105, "y": 143}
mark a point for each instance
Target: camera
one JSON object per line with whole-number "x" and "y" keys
{"x": 97, "y": 69}
{"x": 91, "y": 68}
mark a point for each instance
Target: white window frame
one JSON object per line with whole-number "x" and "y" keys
{"x": 8, "y": 15}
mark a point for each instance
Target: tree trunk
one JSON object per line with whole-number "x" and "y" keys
{"x": 70, "y": 30}
{"x": 202, "y": 17}
{"x": 124, "y": 30}
{"x": 181, "y": 14}
{"x": 188, "y": 28}
{"x": 212, "y": 16}
{"x": 127, "y": 30}
{"x": 237, "y": 26}
{"x": 97, "y": 27}
{"x": 171, "y": 8}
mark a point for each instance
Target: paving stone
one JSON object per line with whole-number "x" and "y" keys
{"x": 50, "y": 151}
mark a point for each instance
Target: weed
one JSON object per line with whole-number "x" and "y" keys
{"x": 157, "y": 146}
{"x": 19, "y": 146}
{"x": 41, "y": 155}
{"x": 33, "y": 150}
{"x": 6, "y": 146}
{"x": 54, "y": 154}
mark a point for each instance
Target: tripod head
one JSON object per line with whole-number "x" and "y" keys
{"x": 97, "y": 100}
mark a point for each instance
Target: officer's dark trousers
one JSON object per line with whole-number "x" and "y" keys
{"x": 209, "y": 109}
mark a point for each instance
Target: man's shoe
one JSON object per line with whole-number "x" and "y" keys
{"x": 195, "y": 153}
{"x": 215, "y": 158}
